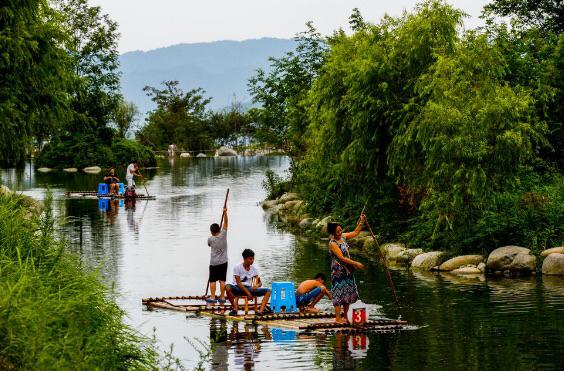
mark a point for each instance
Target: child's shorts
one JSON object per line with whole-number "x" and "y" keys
{"x": 218, "y": 272}
{"x": 306, "y": 299}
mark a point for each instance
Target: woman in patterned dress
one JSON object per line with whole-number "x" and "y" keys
{"x": 343, "y": 284}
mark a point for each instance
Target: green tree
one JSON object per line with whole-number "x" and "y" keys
{"x": 471, "y": 137}
{"x": 125, "y": 116}
{"x": 281, "y": 118}
{"x": 547, "y": 15}
{"x": 180, "y": 117}
{"x": 92, "y": 45}
{"x": 34, "y": 76}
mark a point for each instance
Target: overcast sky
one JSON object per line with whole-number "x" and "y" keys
{"x": 151, "y": 24}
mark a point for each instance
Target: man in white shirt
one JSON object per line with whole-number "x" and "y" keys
{"x": 246, "y": 282}
{"x": 130, "y": 172}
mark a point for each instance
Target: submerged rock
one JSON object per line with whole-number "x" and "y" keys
{"x": 408, "y": 255}
{"x": 186, "y": 154}
{"x": 466, "y": 270}
{"x": 200, "y": 155}
{"x": 225, "y": 151}
{"x": 501, "y": 259}
{"x": 554, "y": 250}
{"x": 459, "y": 261}
{"x": 45, "y": 169}
{"x": 92, "y": 169}
{"x": 553, "y": 265}
{"x": 427, "y": 260}
{"x": 70, "y": 170}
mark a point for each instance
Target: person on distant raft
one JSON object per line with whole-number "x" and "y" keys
{"x": 218, "y": 259}
{"x": 130, "y": 172}
{"x": 310, "y": 292}
{"x": 343, "y": 284}
{"x": 246, "y": 282}
{"x": 112, "y": 181}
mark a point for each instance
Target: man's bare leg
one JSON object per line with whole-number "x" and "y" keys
{"x": 222, "y": 290}
{"x": 212, "y": 289}
{"x": 264, "y": 301}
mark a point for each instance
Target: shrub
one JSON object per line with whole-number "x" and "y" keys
{"x": 85, "y": 150}
{"x": 125, "y": 151}
{"x": 275, "y": 185}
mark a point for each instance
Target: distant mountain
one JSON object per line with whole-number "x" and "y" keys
{"x": 221, "y": 68}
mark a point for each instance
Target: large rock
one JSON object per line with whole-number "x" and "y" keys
{"x": 5, "y": 191}
{"x": 553, "y": 265}
{"x": 45, "y": 169}
{"x": 459, "y": 261}
{"x": 290, "y": 204}
{"x": 523, "y": 263}
{"x": 392, "y": 250}
{"x": 297, "y": 205}
{"x": 70, "y": 170}
{"x": 289, "y": 197}
{"x": 427, "y": 260}
{"x": 554, "y": 250}
{"x": 322, "y": 225}
{"x": 306, "y": 223}
{"x": 269, "y": 204}
{"x": 408, "y": 255}
{"x": 200, "y": 155}
{"x": 224, "y": 151}
{"x": 92, "y": 169}
{"x": 185, "y": 154}
{"x": 500, "y": 259}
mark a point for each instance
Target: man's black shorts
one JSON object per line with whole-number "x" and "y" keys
{"x": 218, "y": 272}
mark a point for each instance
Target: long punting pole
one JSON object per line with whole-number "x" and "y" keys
{"x": 143, "y": 180}
{"x": 385, "y": 266}
{"x": 220, "y": 226}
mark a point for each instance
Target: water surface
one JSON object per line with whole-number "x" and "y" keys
{"x": 158, "y": 248}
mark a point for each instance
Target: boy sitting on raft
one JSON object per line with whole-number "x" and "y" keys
{"x": 218, "y": 258}
{"x": 246, "y": 282}
{"x": 310, "y": 292}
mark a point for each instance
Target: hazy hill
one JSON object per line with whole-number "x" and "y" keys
{"x": 221, "y": 68}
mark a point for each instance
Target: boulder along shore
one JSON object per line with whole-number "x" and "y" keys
{"x": 509, "y": 261}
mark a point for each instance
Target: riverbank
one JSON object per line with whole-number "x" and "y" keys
{"x": 55, "y": 313}
{"x": 509, "y": 261}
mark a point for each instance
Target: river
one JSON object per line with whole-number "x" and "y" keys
{"x": 159, "y": 248}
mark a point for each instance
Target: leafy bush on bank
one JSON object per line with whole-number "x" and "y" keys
{"x": 54, "y": 312}
{"x": 89, "y": 150}
{"x": 275, "y": 185}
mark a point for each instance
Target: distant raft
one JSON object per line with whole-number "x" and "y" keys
{"x": 322, "y": 322}
{"x": 94, "y": 194}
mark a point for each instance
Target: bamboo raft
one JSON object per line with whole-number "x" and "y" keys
{"x": 303, "y": 322}
{"x": 114, "y": 197}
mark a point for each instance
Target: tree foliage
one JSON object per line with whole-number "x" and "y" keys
{"x": 280, "y": 120}
{"x": 124, "y": 117}
{"x": 34, "y": 75}
{"x": 546, "y": 15}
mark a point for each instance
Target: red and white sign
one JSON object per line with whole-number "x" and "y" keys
{"x": 358, "y": 316}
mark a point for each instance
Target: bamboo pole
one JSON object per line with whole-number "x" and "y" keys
{"x": 385, "y": 266}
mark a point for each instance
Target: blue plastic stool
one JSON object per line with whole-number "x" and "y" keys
{"x": 102, "y": 189}
{"x": 103, "y": 204}
{"x": 121, "y": 188}
{"x": 283, "y": 335}
{"x": 283, "y": 295}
